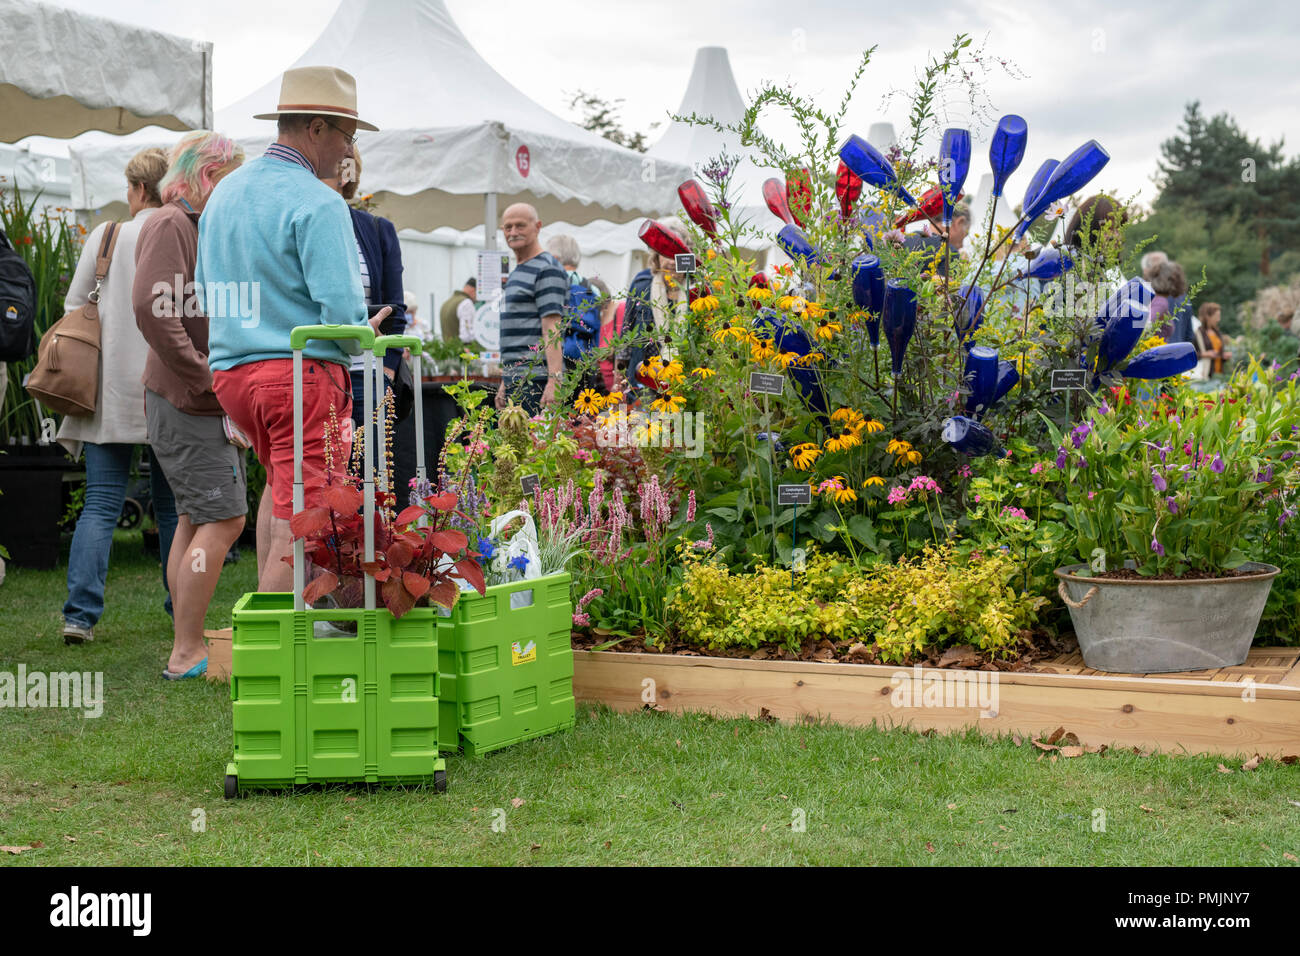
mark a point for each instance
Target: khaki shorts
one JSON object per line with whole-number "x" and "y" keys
{"x": 206, "y": 472}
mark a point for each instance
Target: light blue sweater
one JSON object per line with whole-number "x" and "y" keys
{"x": 276, "y": 250}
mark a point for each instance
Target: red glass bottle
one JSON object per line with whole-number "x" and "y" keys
{"x": 931, "y": 205}
{"x": 847, "y": 189}
{"x": 774, "y": 196}
{"x": 798, "y": 195}
{"x": 660, "y": 240}
{"x": 698, "y": 207}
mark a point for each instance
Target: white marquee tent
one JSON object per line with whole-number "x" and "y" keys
{"x": 455, "y": 140}
{"x": 64, "y": 72}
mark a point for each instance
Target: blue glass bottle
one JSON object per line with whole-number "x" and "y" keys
{"x": 1162, "y": 361}
{"x": 1007, "y": 150}
{"x": 1035, "y": 187}
{"x": 1126, "y": 319}
{"x": 1076, "y": 171}
{"x": 795, "y": 244}
{"x": 970, "y": 438}
{"x": 954, "y": 164}
{"x": 969, "y": 317}
{"x": 981, "y": 375}
{"x": 899, "y": 320}
{"x": 870, "y": 165}
{"x": 1006, "y": 381}
{"x": 1050, "y": 263}
{"x": 869, "y": 292}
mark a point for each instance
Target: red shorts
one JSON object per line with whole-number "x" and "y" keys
{"x": 258, "y": 397}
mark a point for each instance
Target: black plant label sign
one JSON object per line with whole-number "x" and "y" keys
{"x": 1069, "y": 378}
{"x": 762, "y": 383}
{"x": 794, "y": 494}
{"x": 528, "y": 484}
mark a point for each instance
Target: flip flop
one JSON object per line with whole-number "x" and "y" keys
{"x": 198, "y": 670}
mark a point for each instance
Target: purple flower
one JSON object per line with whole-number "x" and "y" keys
{"x": 1158, "y": 480}
{"x": 1105, "y": 409}
{"x": 1173, "y": 505}
{"x": 519, "y": 563}
{"x": 1216, "y": 466}
{"x": 1157, "y": 547}
{"x": 1288, "y": 455}
{"x": 1083, "y": 462}
{"x": 1061, "y": 458}
{"x": 1081, "y": 432}
{"x": 1286, "y": 515}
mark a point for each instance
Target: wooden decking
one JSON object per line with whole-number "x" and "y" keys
{"x": 1253, "y": 708}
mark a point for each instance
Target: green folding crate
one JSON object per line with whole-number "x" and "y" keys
{"x": 335, "y": 707}
{"x": 507, "y": 666}
{"x": 319, "y": 709}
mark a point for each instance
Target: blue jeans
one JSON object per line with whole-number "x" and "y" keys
{"x": 108, "y": 471}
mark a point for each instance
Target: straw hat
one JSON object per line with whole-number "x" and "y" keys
{"x": 320, "y": 91}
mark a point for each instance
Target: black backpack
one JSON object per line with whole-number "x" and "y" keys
{"x": 17, "y": 305}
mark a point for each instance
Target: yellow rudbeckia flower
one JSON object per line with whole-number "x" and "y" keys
{"x": 668, "y": 403}
{"x": 845, "y": 495}
{"x": 613, "y": 398}
{"x": 826, "y": 329}
{"x": 705, "y": 303}
{"x": 810, "y": 358}
{"x": 703, "y": 372}
{"x": 874, "y": 426}
{"x": 804, "y": 455}
{"x": 588, "y": 401}
{"x": 786, "y": 359}
{"x": 914, "y": 457}
{"x": 845, "y": 440}
{"x": 850, "y": 415}
{"x": 873, "y": 480}
{"x": 896, "y": 447}
{"x": 759, "y": 294}
{"x": 760, "y": 350}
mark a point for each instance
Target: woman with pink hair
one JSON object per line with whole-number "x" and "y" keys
{"x": 186, "y": 422}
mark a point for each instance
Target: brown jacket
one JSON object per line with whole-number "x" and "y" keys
{"x": 169, "y": 311}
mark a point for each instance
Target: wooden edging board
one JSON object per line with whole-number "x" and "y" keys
{"x": 1151, "y": 713}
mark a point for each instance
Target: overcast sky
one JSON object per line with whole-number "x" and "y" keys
{"x": 1117, "y": 72}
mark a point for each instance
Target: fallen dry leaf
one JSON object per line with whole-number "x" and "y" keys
{"x": 608, "y": 844}
{"x": 1290, "y": 759}
{"x": 930, "y": 847}
{"x": 1004, "y": 829}
{"x": 1017, "y": 739}
{"x": 1146, "y": 808}
{"x": 70, "y": 839}
{"x": 765, "y": 714}
{"x": 679, "y": 744}
{"x": 962, "y": 655}
{"x": 349, "y": 799}
{"x": 952, "y": 806}
{"x": 735, "y": 731}
{"x": 1057, "y": 734}
{"x": 36, "y": 844}
{"x": 1223, "y": 769}
{"x": 1069, "y": 740}
{"x": 1252, "y": 763}
{"x": 1041, "y": 756}
{"x": 928, "y": 732}
{"x": 875, "y": 759}
{"x": 859, "y": 653}
{"x": 1042, "y": 746}
{"x": 1266, "y": 846}
{"x": 1294, "y": 803}
{"x": 516, "y": 803}
{"x": 1052, "y": 759}
{"x": 536, "y": 846}
{"x": 1094, "y": 749}
{"x": 1075, "y": 751}
{"x": 1290, "y": 856}
{"x": 14, "y": 850}
{"x": 763, "y": 829}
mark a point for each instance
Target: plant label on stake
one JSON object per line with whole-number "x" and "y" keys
{"x": 1064, "y": 379}
{"x": 794, "y": 494}
{"x": 528, "y": 484}
{"x": 763, "y": 383}
{"x": 684, "y": 263}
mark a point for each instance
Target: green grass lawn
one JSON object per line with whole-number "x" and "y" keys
{"x": 621, "y": 789}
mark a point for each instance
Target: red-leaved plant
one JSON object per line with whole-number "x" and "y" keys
{"x": 412, "y": 560}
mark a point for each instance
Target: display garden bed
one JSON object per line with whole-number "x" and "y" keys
{"x": 1253, "y": 708}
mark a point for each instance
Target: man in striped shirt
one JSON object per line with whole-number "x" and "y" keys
{"x": 531, "y": 308}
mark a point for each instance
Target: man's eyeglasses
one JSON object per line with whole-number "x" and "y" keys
{"x": 350, "y": 137}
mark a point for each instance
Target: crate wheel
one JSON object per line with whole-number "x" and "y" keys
{"x": 232, "y": 786}
{"x": 440, "y": 781}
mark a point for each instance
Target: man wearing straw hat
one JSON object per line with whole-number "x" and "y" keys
{"x": 277, "y": 250}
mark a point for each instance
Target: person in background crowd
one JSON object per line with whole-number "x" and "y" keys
{"x": 415, "y": 325}
{"x": 1210, "y": 341}
{"x": 379, "y": 257}
{"x": 274, "y": 227}
{"x": 1104, "y": 218}
{"x": 655, "y": 309}
{"x": 457, "y": 314}
{"x": 932, "y": 241}
{"x": 611, "y": 325}
{"x": 109, "y": 437}
{"x": 1151, "y": 262}
{"x": 185, "y": 420}
{"x": 582, "y": 325}
{"x": 532, "y": 309}
{"x": 1170, "y": 285}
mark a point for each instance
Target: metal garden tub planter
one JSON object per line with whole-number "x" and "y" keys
{"x": 1157, "y": 627}
{"x": 357, "y": 708}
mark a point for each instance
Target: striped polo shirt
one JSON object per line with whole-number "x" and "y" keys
{"x": 536, "y": 288}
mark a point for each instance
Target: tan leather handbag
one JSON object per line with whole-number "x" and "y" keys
{"x": 66, "y": 376}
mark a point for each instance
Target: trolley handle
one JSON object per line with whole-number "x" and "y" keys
{"x": 385, "y": 343}
{"x": 364, "y": 335}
